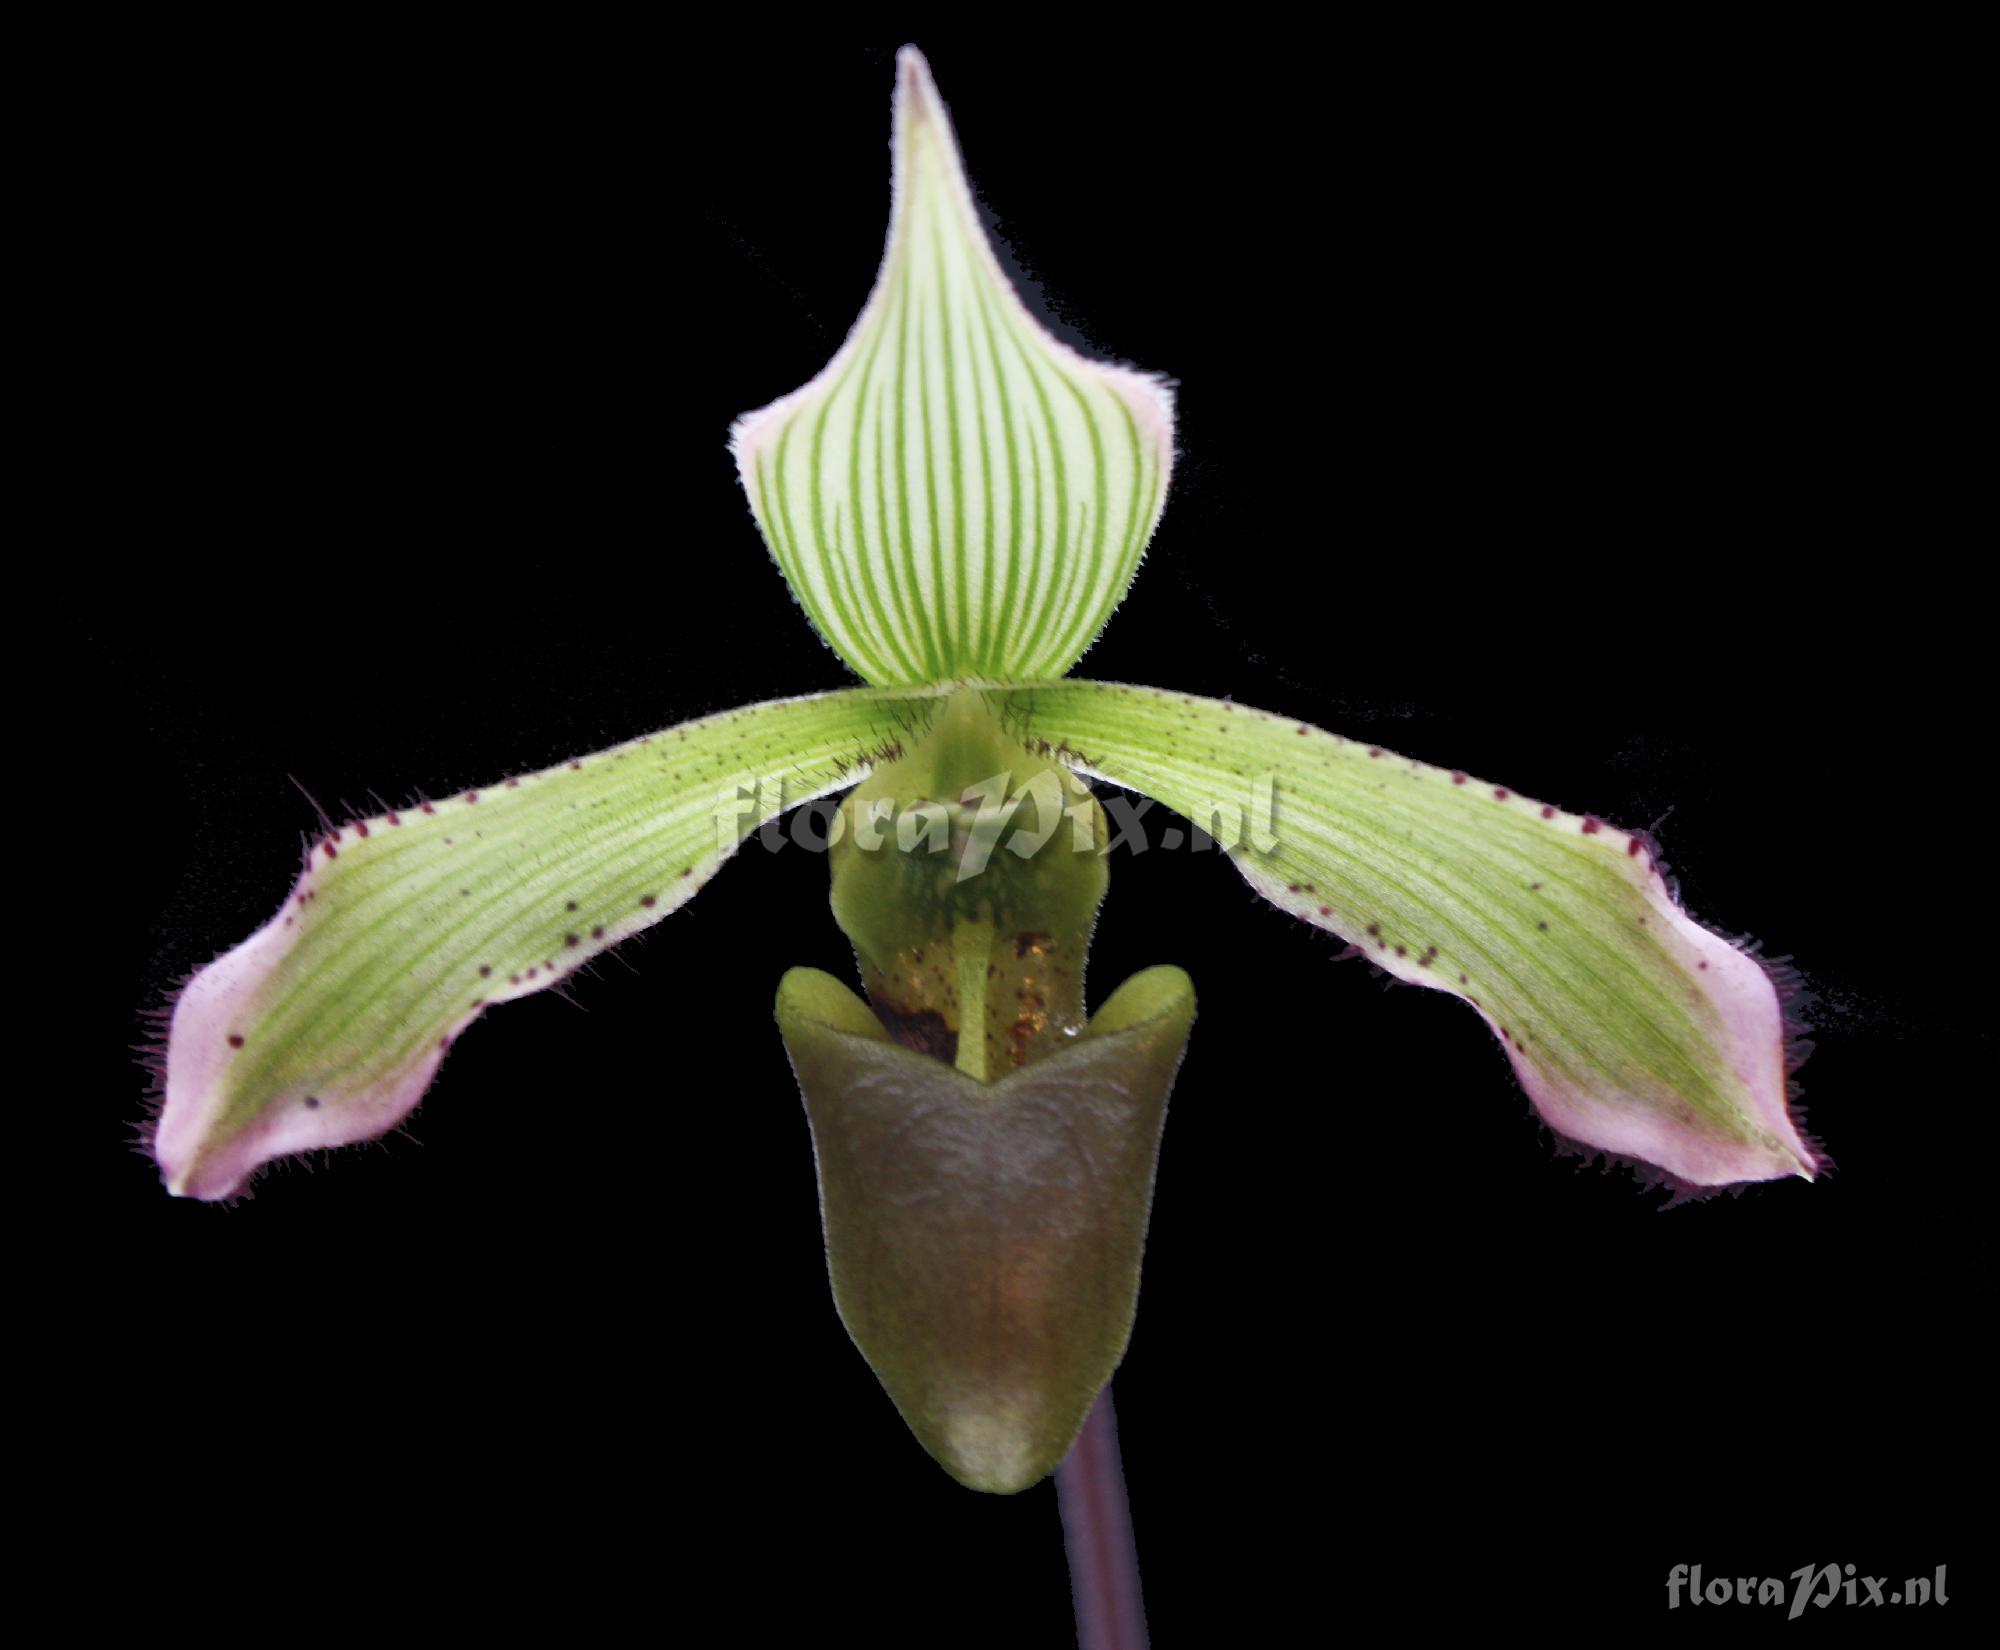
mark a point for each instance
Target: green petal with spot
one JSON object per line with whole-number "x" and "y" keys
{"x": 1634, "y": 1028}
{"x": 327, "y": 1024}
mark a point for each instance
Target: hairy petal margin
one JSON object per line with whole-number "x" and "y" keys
{"x": 1633, "y": 1028}
{"x": 957, "y": 495}
{"x": 328, "y": 1023}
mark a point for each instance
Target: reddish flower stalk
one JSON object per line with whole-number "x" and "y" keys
{"x": 1097, "y": 1532}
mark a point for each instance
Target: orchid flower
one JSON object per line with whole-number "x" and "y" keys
{"x": 958, "y": 501}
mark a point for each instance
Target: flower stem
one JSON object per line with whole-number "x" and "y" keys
{"x": 1097, "y": 1533}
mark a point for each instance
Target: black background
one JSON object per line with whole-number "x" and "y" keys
{"x": 1577, "y": 411}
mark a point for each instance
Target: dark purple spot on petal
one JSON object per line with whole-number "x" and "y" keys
{"x": 1547, "y": 813}
{"x": 236, "y": 1039}
{"x": 1592, "y": 825}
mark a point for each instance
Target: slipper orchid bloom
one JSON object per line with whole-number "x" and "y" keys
{"x": 959, "y": 501}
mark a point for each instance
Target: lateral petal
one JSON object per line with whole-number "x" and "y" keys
{"x": 328, "y": 1023}
{"x": 1634, "y": 1028}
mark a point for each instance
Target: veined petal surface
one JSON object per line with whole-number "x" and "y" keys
{"x": 327, "y": 1024}
{"x": 1633, "y": 1028}
{"x": 957, "y": 495}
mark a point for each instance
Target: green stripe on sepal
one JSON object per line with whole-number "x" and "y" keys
{"x": 326, "y": 1025}
{"x": 1633, "y": 1028}
{"x": 957, "y": 495}
{"x": 984, "y": 1240}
